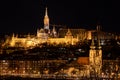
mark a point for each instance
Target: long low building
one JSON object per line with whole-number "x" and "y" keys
{"x": 29, "y": 41}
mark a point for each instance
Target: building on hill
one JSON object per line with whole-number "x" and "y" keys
{"x": 44, "y": 35}
{"x": 67, "y": 36}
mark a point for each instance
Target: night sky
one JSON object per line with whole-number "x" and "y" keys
{"x": 26, "y": 16}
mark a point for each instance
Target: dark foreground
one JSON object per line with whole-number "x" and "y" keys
{"x": 21, "y": 78}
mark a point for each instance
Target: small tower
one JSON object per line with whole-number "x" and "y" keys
{"x": 54, "y": 33}
{"x": 68, "y": 33}
{"x": 69, "y": 37}
{"x": 12, "y": 42}
{"x": 46, "y": 20}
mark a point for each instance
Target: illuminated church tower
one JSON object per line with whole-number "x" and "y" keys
{"x": 46, "y": 20}
{"x": 95, "y": 59}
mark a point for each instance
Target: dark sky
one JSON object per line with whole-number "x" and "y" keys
{"x": 25, "y": 16}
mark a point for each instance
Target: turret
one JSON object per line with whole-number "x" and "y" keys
{"x": 54, "y": 33}
{"x": 92, "y": 44}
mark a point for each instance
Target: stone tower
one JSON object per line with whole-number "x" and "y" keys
{"x": 95, "y": 58}
{"x": 46, "y": 20}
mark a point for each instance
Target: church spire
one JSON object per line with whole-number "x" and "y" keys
{"x": 46, "y": 12}
{"x": 46, "y": 20}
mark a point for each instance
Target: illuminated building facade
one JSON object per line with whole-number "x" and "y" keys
{"x": 42, "y": 37}
{"x": 95, "y": 59}
{"x": 92, "y": 65}
{"x": 82, "y": 34}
